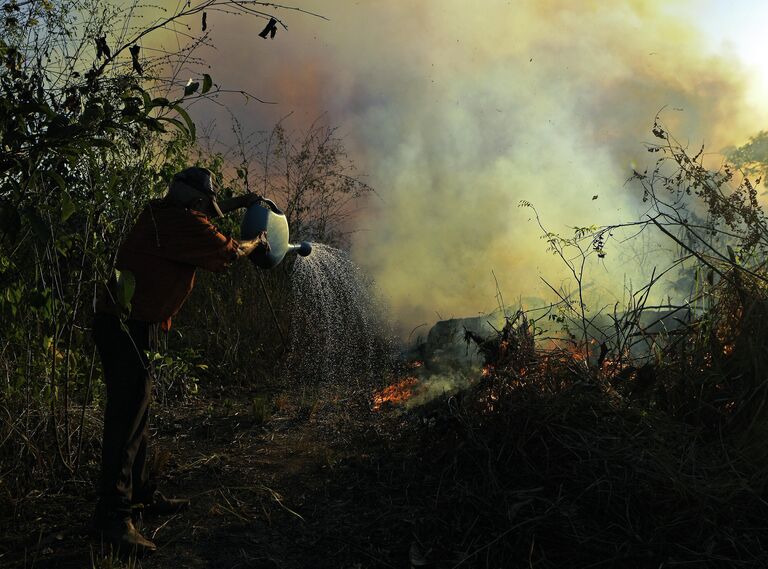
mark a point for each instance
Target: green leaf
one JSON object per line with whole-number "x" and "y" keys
{"x": 207, "y": 83}
{"x": 126, "y": 286}
{"x": 160, "y": 102}
{"x": 153, "y": 124}
{"x": 112, "y": 184}
{"x": 13, "y": 295}
{"x": 175, "y": 122}
{"x": 191, "y": 87}
{"x": 188, "y": 120}
{"x": 67, "y": 207}
{"x": 63, "y": 244}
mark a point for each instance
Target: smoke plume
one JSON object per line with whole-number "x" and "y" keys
{"x": 457, "y": 112}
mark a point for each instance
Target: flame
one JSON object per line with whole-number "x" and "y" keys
{"x": 396, "y": 393}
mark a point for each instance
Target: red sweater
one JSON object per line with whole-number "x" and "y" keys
{"x": 163, "y": 250}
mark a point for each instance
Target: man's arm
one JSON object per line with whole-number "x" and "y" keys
{"x": 237, "y": 202}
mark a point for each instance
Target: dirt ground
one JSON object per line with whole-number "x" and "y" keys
{"x": 292, "y": 489}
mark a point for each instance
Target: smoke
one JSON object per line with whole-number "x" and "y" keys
{"x": 458, "y": 114}
{"x": 438, "y": 385}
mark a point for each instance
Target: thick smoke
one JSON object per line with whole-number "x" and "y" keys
{"x": 458, "y": 112}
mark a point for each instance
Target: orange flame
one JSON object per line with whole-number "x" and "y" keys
{"x": 395, "y": 393}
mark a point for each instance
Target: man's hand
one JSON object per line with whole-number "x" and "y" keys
{"x": 250, "y": 198}
{"x": 260, "y": 243}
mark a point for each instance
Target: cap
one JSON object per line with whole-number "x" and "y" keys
{"x": 198, "y": 178}
{"x": 201, "y": 180}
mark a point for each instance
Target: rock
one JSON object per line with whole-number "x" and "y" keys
{"x": 445, "y": 346}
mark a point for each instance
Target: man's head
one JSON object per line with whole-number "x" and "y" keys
{"x": 193, "y": 188}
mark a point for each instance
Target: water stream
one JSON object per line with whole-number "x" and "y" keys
{"x": 338, "y": 331}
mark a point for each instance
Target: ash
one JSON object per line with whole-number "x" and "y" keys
{"x": 339, "y": 333}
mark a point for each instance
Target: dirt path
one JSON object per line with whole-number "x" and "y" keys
{"x": 294, "y": 491}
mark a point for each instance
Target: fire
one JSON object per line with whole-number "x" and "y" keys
{"x": 489, "y": 401}
{"x": 396, "y": 393}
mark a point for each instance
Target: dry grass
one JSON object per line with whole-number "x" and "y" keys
{"x": 548, "y": 462}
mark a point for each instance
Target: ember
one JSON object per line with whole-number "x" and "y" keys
{"x": 396, "y": 393}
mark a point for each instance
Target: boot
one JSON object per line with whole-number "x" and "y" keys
{"x": 123, "y": 536}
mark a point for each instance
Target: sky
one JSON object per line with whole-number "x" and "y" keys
{"x": 456, "y": 112}
{"x": 739, "y": 27}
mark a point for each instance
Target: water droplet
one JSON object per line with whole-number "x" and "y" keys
{"x": 339, "y": 330}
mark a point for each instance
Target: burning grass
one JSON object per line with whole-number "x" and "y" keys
{"x": 555, "y": 458}
{"x": 396, "y": 393}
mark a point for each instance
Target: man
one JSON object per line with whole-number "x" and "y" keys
{"x": 171, "y": 238}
